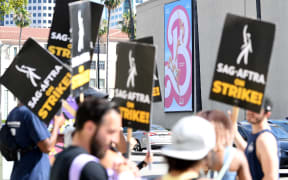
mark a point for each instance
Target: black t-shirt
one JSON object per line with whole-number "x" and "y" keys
{"x": 60, "y": 169}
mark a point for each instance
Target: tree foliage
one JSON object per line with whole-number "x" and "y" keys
{"x": 12, "y": 6}
{"x": 125, "y": 23}
{"x": 103, "y": 27}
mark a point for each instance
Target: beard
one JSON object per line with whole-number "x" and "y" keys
{"x": 96, "y": 147}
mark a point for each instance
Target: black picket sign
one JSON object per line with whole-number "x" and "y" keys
{"x": 133, "y": 87}
{"x": 85, "y": 17}
{"x": 241, "y": 70}
{"x": 59, "y": 42}
{"x": 38, "y": 79}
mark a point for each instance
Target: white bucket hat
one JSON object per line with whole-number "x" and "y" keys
{"x": 192, "y": 138}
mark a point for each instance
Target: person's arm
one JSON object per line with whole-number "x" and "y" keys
{"x": 47, "y": 144}
{"x": 238, "y": 139}
{"x": 267, "y": 153}
{"x": 243, "y": 171}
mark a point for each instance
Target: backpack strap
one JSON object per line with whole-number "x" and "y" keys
{"x": 230, "y": 154}
{"x": 78, "y": 164}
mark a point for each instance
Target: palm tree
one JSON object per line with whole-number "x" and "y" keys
{"x": 110, "y": 5}
{"x": 102, "y": 31}
{"x": 131, "y": 21}
{"x": 21, "y": 19}
{"x": 126, "y": 26}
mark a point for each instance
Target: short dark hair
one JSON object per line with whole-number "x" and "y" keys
{"x": 93, "y": 109}
{"x": 217, "y": 117}
{"x": 267, "y": 104}
{"x": 181, "y": 164}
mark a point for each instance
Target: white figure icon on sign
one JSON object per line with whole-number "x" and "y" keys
{"x": 246, "y": 47}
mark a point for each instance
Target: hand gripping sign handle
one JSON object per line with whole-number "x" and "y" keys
{"x": 129, "y": 135}
{"x": 235, "y": 113}
{"x": 68, "y": 108}
{"x": 149, "y": 150}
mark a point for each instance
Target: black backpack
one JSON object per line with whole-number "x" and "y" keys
{"x": 8, "y": 146}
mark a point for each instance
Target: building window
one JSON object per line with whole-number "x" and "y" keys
{"x": 39, "y": 7}
{"x": 7, "y": 15}
{"x": 49, "y": 14}
{"x": 39, "y": 1}
{"x": 29, "y": 8}
{"x": 93, "y": 65}
{"x": 101, "y": 83}
{"x": 49, "y": 21}
{"x": 30, "y": 1}
{"x": 7, "y": 22}
{"x": 34, "y": 14}
{"x": 39, "y": 21}
{"x": 44, "y": 7}
{"x": 102, "y": 65}
{"x": 39, "y": 14}
{"x": 34, "y": 21}
{"x": 34, "y": 1}
{"x": 93, "y": 82}
{"x": 49, "y": 1}
{"x": 11, "y": 15}
{"x": 34, "y": 7}
{"x": 15, "y": 51}
{"x": 49, "y": 8}
{"x": 44, "y": 21}
{"x": 44, "y": 14}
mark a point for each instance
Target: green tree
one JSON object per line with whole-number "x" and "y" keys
{"x": 101, "y": 32}
{"x": 18, "y": 8}
{"x": 126, "y": 25}
{"x": 10, "y": 6}
{"x": 131, "y": 21}
{"x": 22, "y": 19}
{"x": 110, "y": 5}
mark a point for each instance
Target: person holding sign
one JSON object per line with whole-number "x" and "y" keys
{"x": 33, "y": 133}
{"x": 261, "y": 149}
{"x": 98, "y": 124}
{"x": 227, "y": 160}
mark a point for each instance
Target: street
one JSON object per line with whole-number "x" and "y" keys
{"x": 158, "y": 168}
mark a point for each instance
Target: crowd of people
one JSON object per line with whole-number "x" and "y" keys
{"x": 203, "y": 146}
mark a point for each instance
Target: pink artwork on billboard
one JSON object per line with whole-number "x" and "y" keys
{"x": 178, "y": 57}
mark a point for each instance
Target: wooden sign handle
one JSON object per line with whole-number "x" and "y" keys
{"x": 235, "y": 113}
{"x": 129, "y": 135}
{"x": 81, "y": 97}
{"x": 68, "y": 108}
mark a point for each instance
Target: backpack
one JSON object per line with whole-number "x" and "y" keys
{"x": 8, "y": 145}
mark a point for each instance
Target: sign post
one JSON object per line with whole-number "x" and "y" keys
{"x": 38, "y": 79}
{"x": 83, "y": 41}
{"x": 242, "y": 64}
{"x": 133, "y": 87}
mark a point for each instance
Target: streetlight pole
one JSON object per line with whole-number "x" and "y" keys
{"x": 1, "y": 163}
{"x": 1, "y": 45}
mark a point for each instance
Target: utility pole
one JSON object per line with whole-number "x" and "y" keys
{"x": 1, "y": 163}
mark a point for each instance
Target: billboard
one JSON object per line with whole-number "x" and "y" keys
{"x": 178, "y": 57}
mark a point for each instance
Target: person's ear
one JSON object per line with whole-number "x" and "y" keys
{"x": 90, "y": 127}
{"x": 268, "y": 114}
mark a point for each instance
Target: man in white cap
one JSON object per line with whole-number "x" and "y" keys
{"x": 192, "y": 139}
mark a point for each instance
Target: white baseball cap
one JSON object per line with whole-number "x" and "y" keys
{"x": 192, "y": 138}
